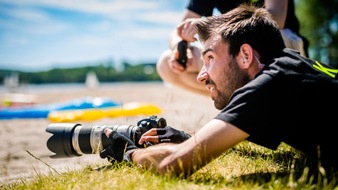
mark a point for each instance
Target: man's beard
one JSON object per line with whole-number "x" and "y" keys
{"x": 230, "y": 80}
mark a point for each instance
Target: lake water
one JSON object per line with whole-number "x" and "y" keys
{"x": 33, "y": 88}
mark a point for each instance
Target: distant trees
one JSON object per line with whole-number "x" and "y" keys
{"x": 104, "y": 72}
{"x": 319, "y": 23}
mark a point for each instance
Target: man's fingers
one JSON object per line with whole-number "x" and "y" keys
{"x": 174, "y": 65}
{"x": 150, "y": 136}
{"x": 152, "y": 139}
{"x": 177, "y": 67}
{"x": 151, "y": 132}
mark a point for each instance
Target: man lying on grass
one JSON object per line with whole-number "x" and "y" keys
{"x": 267, "y": 94}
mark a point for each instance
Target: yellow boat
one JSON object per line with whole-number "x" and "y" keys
{"x": 127, "y": 109}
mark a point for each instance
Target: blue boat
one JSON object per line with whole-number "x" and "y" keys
{"x": 42, "y": 111}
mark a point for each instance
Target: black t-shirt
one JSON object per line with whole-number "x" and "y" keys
{"x": 206, "y": 7}
{"x": 292, "y": 100}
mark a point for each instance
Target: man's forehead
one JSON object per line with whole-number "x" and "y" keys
{"x": 211, "y": 43}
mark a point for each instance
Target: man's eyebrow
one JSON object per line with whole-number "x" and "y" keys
{"x": 206, "y": 51}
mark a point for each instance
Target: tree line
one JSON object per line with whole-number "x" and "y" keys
{"x": 104, "y": 73}
{"x": 319, "y": 23}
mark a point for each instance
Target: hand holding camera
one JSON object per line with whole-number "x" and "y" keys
{"x": 165, "y": 134}
{"x": 120, "y": 147}
{"x": 169, "y": 134}
{"x": 114, "y": 142}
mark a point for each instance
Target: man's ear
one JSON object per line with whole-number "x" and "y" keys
{"x": 245, "y": 56}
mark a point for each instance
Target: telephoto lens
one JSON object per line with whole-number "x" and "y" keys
{"x": 72, "y": 140}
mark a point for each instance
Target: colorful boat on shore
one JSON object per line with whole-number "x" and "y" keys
{"x": 127, "y": 109}
{"x": 42, "y": 111}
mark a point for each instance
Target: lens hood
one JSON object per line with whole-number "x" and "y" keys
{"x": 61, "y": 141}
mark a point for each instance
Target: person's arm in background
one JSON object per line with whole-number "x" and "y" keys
{"x": 167, "y": 66}
{"x": 278, "y": 10}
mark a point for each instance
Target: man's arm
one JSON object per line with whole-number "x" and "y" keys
{"x": 168, "y": 67}
{"x": 186, "y": 158}
{"x": 278, "y": 10}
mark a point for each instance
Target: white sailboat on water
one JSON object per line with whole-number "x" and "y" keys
{"x": 11, "y": 82}
{"x": 92, "y": 81}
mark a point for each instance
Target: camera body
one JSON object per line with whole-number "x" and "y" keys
{"x": 71, "y": 139}
{"x": 181, "y": 55}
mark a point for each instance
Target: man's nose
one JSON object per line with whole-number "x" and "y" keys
{"x": 202, "y": 75}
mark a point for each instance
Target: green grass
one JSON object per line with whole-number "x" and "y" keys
{"x": 246, "y": 166}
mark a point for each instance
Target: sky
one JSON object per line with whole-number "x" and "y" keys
{"x": 37, "y": 35}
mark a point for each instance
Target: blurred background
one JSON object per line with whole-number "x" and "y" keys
{"x": 42, "y": 39}
{"x": 54, "y": 53}
{"x": 319, "y": 23}
{"x": 43, "y": 34}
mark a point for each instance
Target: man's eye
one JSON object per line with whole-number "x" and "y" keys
{"x": 210, "y": 57}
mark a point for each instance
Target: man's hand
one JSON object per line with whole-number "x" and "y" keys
{"x": 166, "y": 134}
{"x": 186, "y": 30}
{"x": 120, "y": 148}
{"x": 193, "y": 64}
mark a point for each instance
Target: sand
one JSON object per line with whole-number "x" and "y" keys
{"x": 22, "y": 137}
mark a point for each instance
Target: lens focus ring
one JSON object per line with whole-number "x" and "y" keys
{"x": 75, "y": 140}
{"x": 96, "y": 139}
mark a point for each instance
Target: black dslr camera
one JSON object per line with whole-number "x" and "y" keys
{"x": 70, "y": 139}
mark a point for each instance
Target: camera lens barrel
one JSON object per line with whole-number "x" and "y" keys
{"x": 87, "y": 140}
{"x": 70, "y": 140}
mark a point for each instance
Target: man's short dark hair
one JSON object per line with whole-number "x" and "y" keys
{"x": 245, "y": 24}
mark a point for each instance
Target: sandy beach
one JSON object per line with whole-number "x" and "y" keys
{"x": 22, "y": 137}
